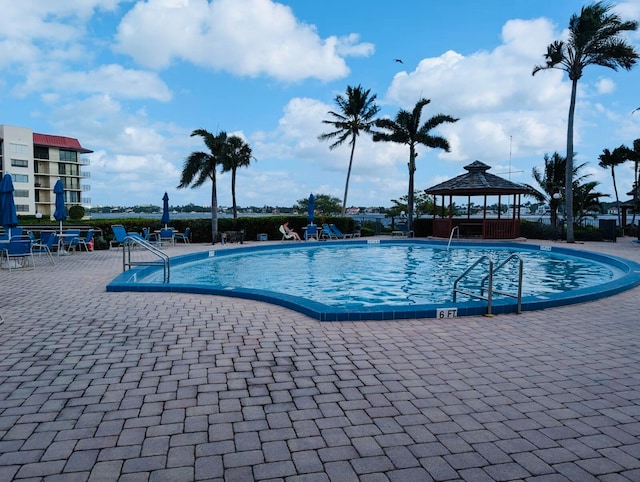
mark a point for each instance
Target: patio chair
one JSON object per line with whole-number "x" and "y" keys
{"x": 311, "y": 232}
{"x": 184, "y": 237}
{"x": 82, "y": 242}
{"x": 68, "y": 241}
{"x": 44, "y": 245}
{"x": 19, "y": 252}
{"x": 285, "y": 236}
{"x": 167, "y": 236}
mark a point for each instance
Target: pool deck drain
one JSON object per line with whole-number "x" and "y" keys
{"x": 154, "y": 386}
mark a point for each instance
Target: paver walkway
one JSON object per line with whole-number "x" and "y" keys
{"x": 154, "y": 387}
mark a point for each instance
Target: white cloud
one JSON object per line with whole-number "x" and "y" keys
{"x": 112, "y": 80}
{"x": 244, "y": 37}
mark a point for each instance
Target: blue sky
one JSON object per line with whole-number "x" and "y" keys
{"x": 132, "y": 79}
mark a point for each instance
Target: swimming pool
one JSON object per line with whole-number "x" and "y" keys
{"x": 388, "y": 279}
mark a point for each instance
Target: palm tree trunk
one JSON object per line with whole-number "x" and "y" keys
{"x": 214, "y": 211}
{"x": 615, "y": 190}
{"x": 233, "y": 193}
{"x": 568, "y": 190}
{"x": 635, "y": 193}
{"x": 346, "y": 186}
{"x": 412, "y": 170}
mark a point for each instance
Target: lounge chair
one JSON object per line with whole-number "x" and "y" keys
{"x": 184, "y": 237}
{"x": 327, "y": 232}
{"x": 120, "y": 235}
{"x": 284, "y": 233}
{"x": 339, "y": 233}
{"x": 19, "y": 252}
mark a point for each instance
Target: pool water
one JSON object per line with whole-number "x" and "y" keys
{"x": 385, "y": 275}
{"x": 388, "y": 279}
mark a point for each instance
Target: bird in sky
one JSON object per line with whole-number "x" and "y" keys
{"x": 399, "y": 61}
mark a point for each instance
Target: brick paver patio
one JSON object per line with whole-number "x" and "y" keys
{"x": 154, "y": 387}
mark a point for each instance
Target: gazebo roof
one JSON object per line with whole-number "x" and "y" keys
{"x": 477, "y": 181}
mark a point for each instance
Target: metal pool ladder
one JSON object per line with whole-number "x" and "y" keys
{"x": 488, "y": 278}
{"x": 133, "y": 241}
{"x": 454, "y": 229}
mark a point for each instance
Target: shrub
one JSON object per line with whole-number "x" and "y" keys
{"x": 76, "y": 212}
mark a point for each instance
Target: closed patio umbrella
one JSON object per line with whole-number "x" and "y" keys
{"x": 311, "y": 208}
{"x": 8, "y": 214}
{"x": 165, "y": 210}
{"x": 60, "y": 214}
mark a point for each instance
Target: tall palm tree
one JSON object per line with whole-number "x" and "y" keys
{"x": 406, "y": 129}
{"x": 357, "y": 109}
{"x": 595, "y": 38}
{"x": 200, "y": 167}
{"x": 238, "y": 154}
{"x": 609, "y": 160}
{"x": 633, "y": 155}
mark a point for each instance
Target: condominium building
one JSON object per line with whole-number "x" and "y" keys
{"x": 35, "y": 162}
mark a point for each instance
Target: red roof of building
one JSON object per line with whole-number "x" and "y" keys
{"x": 59, "y": 142}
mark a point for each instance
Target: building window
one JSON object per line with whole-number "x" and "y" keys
{"x": 22, "y": 208}
{"x": 20, "y": 193}
{"x": 72, "y": 197}
{"x": 40, "y": 152}
{"x": 20, "y": 177}
{"x": 68, "y": 156}
{"x": 17, "y": 148}
{"x": 19, "y": 163}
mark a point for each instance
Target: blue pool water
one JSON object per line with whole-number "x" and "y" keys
{"x": 386, "y": 280}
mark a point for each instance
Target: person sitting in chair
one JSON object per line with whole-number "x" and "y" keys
{"x": 289, "y": 233}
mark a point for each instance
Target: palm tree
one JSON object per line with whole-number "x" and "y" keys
{"x": 357, "y": 110}
{"x": 633, "y": 155}
{"x": 587, "y": 201}
{"x": 551, "y": 181}
{"x": 595, "y": 38}
{"x": 200, "y": 167}
{"x": 238, "y": 154}
{"x": 406, "y": 129}
{"x": 610, "y": 160}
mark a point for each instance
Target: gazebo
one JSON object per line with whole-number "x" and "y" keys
{"x": 475, "y": 183}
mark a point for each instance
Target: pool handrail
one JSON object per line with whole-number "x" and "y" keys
{"x": 489, "y": 296}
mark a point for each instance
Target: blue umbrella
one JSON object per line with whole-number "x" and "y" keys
{"x": 312, "y": 207}
{"x": 60, "y": 214}
{"x": 165, "y": 209}
{"x": 8, "y": 214}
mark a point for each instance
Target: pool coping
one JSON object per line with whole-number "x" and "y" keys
{"x": 322, "y": 312}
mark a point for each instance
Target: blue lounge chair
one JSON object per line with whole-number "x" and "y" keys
{"x": 339, "y": 233}
{"x": 184, "y": 237}
{"x": 19, "y": 252}
{"x": 120, "y": 235}
{"x": 327, "y": 232}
